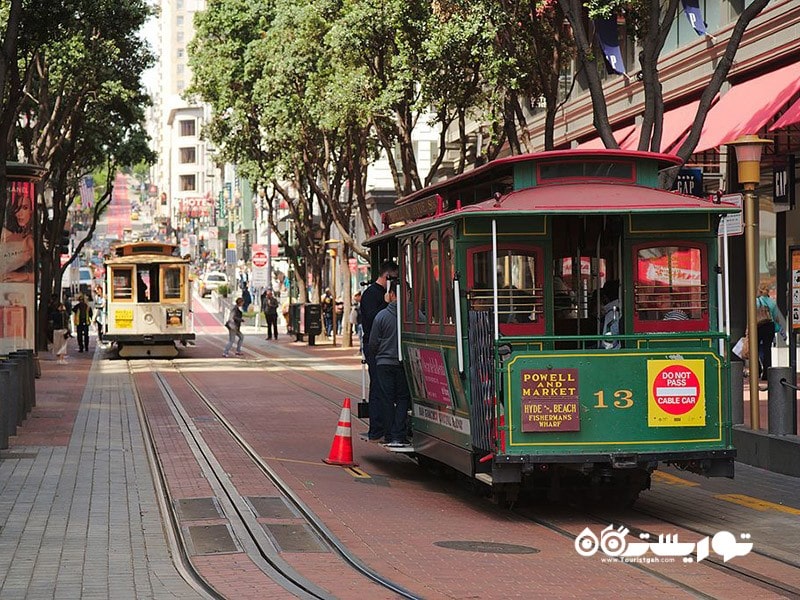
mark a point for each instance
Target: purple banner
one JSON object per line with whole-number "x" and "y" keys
{"x": 692, "y": 10}
{"x": 608, "y": 37}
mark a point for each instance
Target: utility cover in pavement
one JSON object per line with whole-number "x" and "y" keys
{"x": 211, "y": 539}
{"x": 271, "y": 507}
{"x": 195, "y": 509}
{"x": 487, "y": 547}
{"x": 295, "y": 538}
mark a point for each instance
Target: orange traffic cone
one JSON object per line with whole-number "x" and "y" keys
{"x": 342, "y": 448}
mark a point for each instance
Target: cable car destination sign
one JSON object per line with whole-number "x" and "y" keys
{"x": 550, "y": 400}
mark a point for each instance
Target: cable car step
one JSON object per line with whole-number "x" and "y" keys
{"x": 484, "y": 478}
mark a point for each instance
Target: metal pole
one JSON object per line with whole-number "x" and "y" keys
{"x": 751, "y": 262}
{"x": 333, "y": 286}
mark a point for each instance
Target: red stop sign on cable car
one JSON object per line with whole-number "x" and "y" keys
{"x": 676, "y": 390}
{"x": 259, "y": 259}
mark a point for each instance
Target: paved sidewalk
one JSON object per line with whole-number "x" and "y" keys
{"x": 78, "y": 511}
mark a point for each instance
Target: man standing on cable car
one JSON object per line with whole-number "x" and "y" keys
{"x": 372, "y": 302}
{"x": 391, "y": 376}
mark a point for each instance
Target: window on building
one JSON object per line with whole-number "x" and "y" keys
{"x": 671, "y": 288}
{"x": 188, "y": 156}
{"x": 187, "y": 127}
{"x": 179, "y": 37}
{"x": 181, "y": 52}
{"x": 188, "y": 183}
{"x": 179, "y": 20}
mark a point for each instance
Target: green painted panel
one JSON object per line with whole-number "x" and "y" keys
{"x": 524, "y": 175}
{"x": 667, "y": 223}
{"x": 619, "y": 401}
{"x": 506, "y": 227}
{"x": 438, "y": 396}
{"x": 647, "y": 173}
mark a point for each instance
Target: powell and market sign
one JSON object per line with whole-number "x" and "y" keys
{"x": 783, "y": 183}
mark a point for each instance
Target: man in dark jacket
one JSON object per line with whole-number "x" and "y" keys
{"x": 83, "y": 318}
{"x": 391, "y": 375}
{"x": 269, "y": 304}
{"x": 372, "y": 302}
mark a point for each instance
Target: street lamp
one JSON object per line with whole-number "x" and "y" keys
{"x": 748, "y": 157}
{"x": 332, "y": 252}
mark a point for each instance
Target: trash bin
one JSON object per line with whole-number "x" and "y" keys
{"x": 12, "y": 394}
{"x": 312, "y": 319}
{"x": 29, "y": 375}
{"x": 5, "y": 408}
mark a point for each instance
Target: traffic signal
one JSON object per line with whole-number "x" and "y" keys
{"x": 64, "y": 242}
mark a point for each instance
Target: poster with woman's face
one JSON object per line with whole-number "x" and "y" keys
{"x": 16, "y": 269}
{"x": 16, "y": 240}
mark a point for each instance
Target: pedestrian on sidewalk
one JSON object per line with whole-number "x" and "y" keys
{"x": 327, "y": 311}
{"x": 234, "y": 325}
{"x": 60, "y": 320}
{"x": 99, "y": 312}
{"x": 395, "y": 395}
{"x": 372, "y": 302}
{"x": 269, "y": 304}
{"x": 768, "y": 318}
{"x": 83, "y": 319}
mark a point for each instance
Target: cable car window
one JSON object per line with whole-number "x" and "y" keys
{"x": 434, "y": 277}
{"x": 408, "y": 274}
{"x": 671, "y": 288}
{"x": 171, "y": 286}
{"x": 520, "y": 293}
{"x": 419, "y": 272}
{"x": 121, "y": 279}
{"x": 449, "y": 272}
{"x": 588, "y": 169}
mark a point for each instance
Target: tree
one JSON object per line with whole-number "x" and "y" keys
{"x": 84, "y": 111}
{"x": 650, "y": 21}
{"x": 28, "y": 25}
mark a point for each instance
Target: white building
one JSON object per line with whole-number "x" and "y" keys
{"x": 186, "y": 174}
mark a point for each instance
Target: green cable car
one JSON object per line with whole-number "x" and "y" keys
{"x": 559, "y": 323}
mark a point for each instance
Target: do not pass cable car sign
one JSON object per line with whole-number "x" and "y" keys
{"x": 676, "y": 393}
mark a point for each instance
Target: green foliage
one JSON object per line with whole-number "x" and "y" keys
{"x": 223, "y": 290}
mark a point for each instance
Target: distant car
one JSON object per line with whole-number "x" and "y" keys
{"x": 211, "y": 281}
{"x": 85, "y": 280}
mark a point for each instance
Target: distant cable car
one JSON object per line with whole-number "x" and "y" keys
{"x": 149, "y": 300}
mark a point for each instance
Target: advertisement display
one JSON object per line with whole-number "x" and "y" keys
{"x": 17, "y": 260}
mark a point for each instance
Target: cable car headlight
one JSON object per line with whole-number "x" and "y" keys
{"x": 148, "y": 318}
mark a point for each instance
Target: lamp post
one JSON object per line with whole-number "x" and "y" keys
{"x": 332, "y": 253}
{"x": 748, "y": 157}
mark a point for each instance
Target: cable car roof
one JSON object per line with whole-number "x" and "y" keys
{"x": 146, "y": 259}
{"x": 597, "y": 198}
{"x": 577, "y": 199}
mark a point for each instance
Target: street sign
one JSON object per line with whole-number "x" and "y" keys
{"x": 732, "y": 224}
{"x": 259, "y": 259}
{"x": 259, "y": 277}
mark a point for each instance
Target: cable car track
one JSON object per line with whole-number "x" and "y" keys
{"x": 253, "y": 539}
{"x": 763, "y": 581}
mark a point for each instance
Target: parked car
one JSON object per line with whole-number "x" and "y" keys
{"x": 211, "y": 281}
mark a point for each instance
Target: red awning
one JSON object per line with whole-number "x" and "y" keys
{"x": 790, "y": 117}
{"x": 748, "y": 106}
{"x": 620, "y": 135}
{"x": 676, "y": 122}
